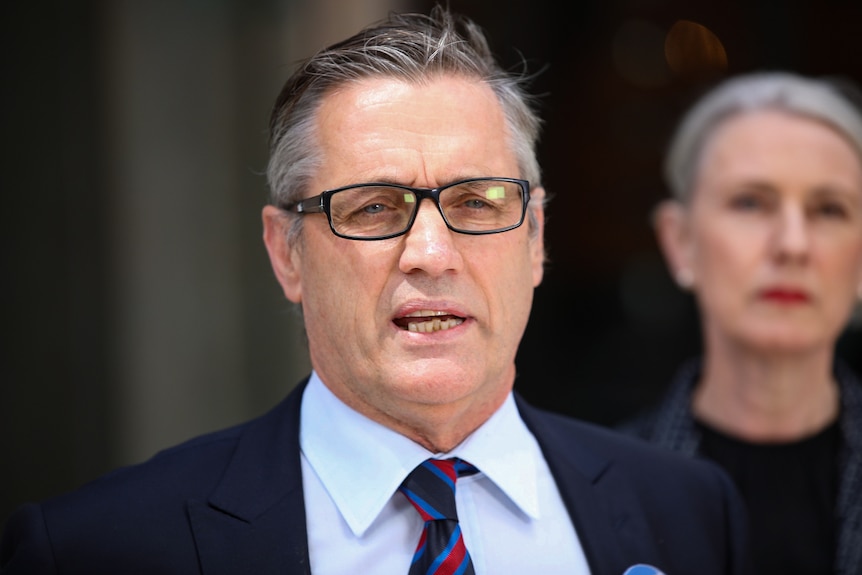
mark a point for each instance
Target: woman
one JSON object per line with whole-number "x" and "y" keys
{"x": 765, "y": 230}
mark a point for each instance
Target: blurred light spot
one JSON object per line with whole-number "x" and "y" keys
{"x": 693, "y": 49}
{"x": 638, "y": 54}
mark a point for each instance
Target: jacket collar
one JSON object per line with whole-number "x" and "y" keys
{"x": 578, "y": 471}
{"x": 254, "y": 522}
{"x": 258, "y": 506}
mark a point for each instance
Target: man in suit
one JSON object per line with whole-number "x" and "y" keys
{"x": 414, "y": 311}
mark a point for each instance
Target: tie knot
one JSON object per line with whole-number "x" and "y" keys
{"x": 431, "y": 487}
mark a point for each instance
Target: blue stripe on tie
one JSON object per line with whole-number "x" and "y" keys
{"x": 419, "y": 552}
{"x": 439, "y": 473}
{"x": 453, "y": 540}
{"x": 463, "y": 567}
{"x": 426, "y": 507}
{"x": 463, "y": 468}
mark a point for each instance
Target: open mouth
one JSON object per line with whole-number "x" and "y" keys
{"x": 426, "y": 321}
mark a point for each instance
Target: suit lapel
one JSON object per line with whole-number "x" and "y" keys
{"x": 578, "y": 472}
{"x": 254, "y": 522}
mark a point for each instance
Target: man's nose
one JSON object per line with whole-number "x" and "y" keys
{"x": 429, "y": 245}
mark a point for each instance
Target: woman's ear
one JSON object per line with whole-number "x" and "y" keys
{"x": 672, "y": 227}
{"x": 284, "y": 258}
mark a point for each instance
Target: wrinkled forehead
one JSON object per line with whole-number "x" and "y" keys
{"x": 387, "y": 129}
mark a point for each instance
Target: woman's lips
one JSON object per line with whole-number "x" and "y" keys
{"x": 785, "y": 295}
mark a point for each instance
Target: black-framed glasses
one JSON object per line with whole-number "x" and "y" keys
{"x": 378, "y": 211}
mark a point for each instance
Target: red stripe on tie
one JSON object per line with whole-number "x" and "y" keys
{"x": 452, "y": 563}
{"x": 447, "y": 466}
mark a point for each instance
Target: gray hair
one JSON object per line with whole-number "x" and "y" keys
{"x": 410, "y": 47}
{"x": 828, "y": 101}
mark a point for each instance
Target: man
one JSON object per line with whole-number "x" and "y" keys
{"x": 406, "y": 221}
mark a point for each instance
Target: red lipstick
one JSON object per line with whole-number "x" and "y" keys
{"x": 785, "y": 295}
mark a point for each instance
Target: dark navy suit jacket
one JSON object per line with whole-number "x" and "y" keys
{"x": 231, "y": 502}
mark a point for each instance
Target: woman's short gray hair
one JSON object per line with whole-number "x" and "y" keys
{"x": 411, "y": 47}
{"x": 830, "y": 101}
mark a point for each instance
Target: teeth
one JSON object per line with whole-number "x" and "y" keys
{"x": 425, "y": 313}
{"x": 434, "y": 324}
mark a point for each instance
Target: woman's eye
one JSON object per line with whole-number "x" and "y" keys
{"x": 747, "y": 203}
{"x": 830, "y": 210}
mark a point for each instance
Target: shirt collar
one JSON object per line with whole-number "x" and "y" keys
{"x": 361, "y": 463}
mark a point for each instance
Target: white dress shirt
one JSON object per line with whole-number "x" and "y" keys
{"x": 512, "y": 516}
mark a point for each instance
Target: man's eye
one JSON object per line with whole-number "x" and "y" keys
{"x": 475, "y": 203}
{"x": 373, "y": 208}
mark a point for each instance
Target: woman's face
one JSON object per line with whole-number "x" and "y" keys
{"x": 772, "y": 239}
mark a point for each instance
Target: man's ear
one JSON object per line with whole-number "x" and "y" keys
{"x": 284, "y": 258}
{"x": 537, "y": 241}
{"x": 672, "y": 228}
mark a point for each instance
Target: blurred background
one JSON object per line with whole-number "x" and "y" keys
{"x": 139, "y": 308}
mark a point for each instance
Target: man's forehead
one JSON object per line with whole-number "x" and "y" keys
{"x": 391, "y": 130}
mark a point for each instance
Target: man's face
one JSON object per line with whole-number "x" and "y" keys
{"x": 359, "y": 296}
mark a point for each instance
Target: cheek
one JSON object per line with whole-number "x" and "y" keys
{"x": 725, "y": 269}
{"x": 498, "y": 273}
{"x": 340, "y": 280}
{"x": 523, "y": 276}
{"x": 842, "y": 267}
{"x": 719, "y": 254}
{"x": 337, "y": 305}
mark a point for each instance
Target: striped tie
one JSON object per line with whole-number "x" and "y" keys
{"x": 431, "y": 490}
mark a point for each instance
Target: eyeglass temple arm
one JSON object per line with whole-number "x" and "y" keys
{"x": 310, "y": 205}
